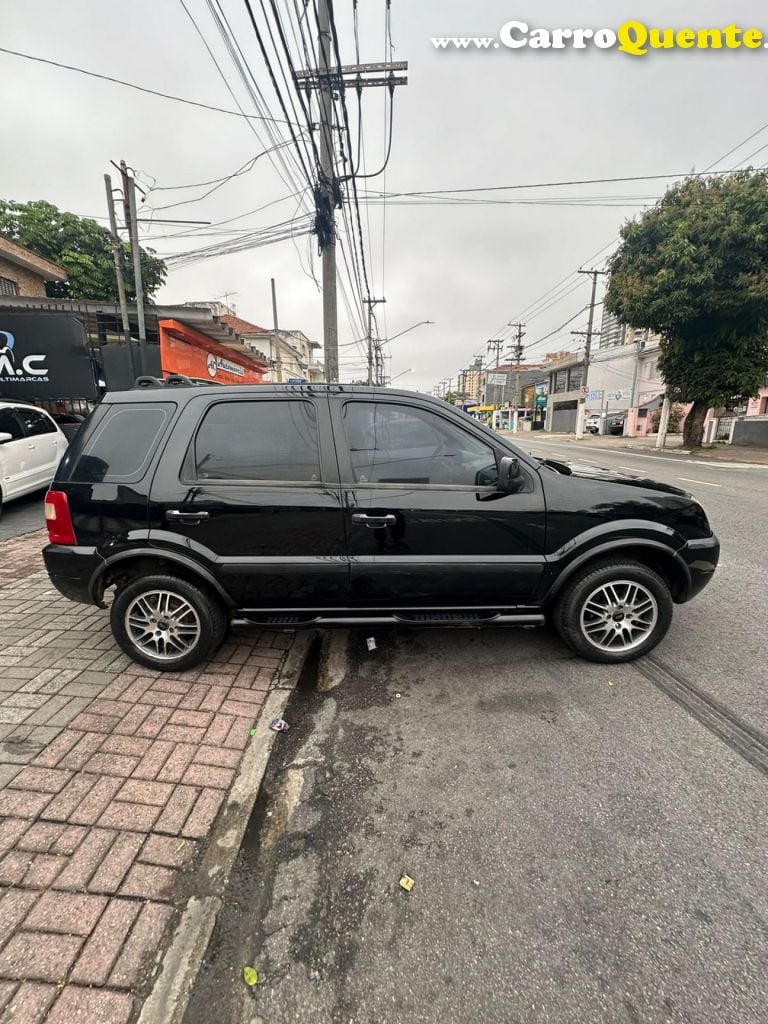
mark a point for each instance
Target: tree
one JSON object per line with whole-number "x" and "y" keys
{"x": 79, "y": 245}
{"x": 694, "y": 269}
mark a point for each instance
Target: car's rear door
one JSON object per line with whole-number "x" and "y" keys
{"x": 45, "y": 446}
{"x": 12, "y": 454}
{"x": 426, "y": 526}
{"x": 248, "y": 486}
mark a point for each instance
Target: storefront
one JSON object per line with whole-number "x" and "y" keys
{"x": 193, "y": 354}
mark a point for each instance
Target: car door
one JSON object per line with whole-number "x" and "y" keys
{"x": 426, "y": 525}
{"x": 252, "y": 492}
{"x": 43, "y": 449}
{"x": 12, "y": 454}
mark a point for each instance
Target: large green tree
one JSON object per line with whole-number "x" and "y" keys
{"x": 694, "y": 269}
{"x": 81, "y": 246}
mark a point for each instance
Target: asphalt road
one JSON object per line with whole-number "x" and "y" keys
{"x": 588, "y": 844}
{"x": 22, "y": 515}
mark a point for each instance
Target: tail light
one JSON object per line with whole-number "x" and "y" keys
{"x": 58, "y": 519}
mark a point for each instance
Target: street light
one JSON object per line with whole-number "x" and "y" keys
{"x": 409, "y": 370}
{"x": 411, "y": 328}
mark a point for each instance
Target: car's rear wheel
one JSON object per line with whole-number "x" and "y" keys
{"x": 614, "y": 611}
{"x": 167, "y": 623}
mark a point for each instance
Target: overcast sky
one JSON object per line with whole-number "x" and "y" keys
{"x": 465, "y": 120}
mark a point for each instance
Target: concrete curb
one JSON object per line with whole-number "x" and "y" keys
{"x": 168, "y": 1000}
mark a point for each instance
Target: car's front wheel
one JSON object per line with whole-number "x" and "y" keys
{"x": 166, "y": 623}
{"x": 614, "y": 611}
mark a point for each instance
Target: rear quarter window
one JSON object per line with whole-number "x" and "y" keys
{"x": 119, "y": 446}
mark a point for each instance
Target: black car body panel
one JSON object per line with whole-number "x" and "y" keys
{"x": 359, "y": 521}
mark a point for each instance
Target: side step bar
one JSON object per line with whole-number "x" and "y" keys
{"x": 477, "y": 619}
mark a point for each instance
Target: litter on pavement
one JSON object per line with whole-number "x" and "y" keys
{"x": 279, "y": 725}
{"x": 407, "y": 883}
{"x": 250, "y": 976}
{"x": 371, "y": 643}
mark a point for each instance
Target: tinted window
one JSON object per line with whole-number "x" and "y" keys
{"x": 121, "y": 446}
{"x": 36, "y": 422}
{"x": 9, "y": 424}
{"x": 391, "y": 443}
{"x": 261, "y": 440}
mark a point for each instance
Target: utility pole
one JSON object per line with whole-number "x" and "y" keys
{"x": 594, "y": 274}
{"x": 117, "y": 253}
{"x": 129, "y": 203}
{"x": 329, "y": 80}
{"x": 278, "y": 361}
{"x": 328, "y": 196}
{"x": 370, "y": 303}
{"x": 517, "y": 351}
{"x": 661, "y": 437}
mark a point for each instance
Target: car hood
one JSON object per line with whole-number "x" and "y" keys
{"x": 586, "y": 471}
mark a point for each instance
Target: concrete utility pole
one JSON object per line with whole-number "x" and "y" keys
{"x": 328, "y": 79}
{"x": 517, "y": 351}
{"x": 278, "y": 360}
{"x": 370, "y": 303}
{"x": 118, "y": 257}
{"x": 129, "y": 202}
{"x": 587, "y": 349}
{"x": 328, "y": 194}
{"x": 661, "y": 437}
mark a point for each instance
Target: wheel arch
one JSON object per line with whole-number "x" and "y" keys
{"x": 143, "y": 562}
{"x": 658, "y": 557}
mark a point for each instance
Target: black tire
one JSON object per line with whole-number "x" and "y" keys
{"x": 567, "y": 614}
{"x": 208, "y": 618}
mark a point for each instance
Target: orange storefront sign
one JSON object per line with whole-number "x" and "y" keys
{"x": 189, "y": 352}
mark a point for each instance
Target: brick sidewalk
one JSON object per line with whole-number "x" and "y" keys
{"x": 112, "y": 777}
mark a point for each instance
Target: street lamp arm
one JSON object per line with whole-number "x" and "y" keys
{"x": 407, "y": 329}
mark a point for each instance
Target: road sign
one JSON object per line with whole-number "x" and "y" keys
{"x": 499, "y": 379}
{"x": 296, "y": 380}
{"x": 594, "y": 396}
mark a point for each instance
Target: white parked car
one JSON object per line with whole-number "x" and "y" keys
{"x": 31, "y": 448}
{"x": 592, "y": 423}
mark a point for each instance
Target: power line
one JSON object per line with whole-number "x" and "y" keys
{"x": 141, "y": 88}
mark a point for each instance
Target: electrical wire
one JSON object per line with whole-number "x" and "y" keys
{"x": 140, "y": 88}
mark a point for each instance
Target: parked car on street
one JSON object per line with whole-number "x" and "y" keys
{"x": 335, "y": 505}
{"x": 615, "y": 424}
{"x": 592, "y": 423}
{"x": 31, "y": 447}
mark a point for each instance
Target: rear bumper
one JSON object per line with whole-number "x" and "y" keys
{"x": 701, "y": 558}
{"x": 71, "y": 570}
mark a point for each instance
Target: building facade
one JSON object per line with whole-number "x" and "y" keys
{"x": 25, "y": 273}
{"x": 564, "y": 382}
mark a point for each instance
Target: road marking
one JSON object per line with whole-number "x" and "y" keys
{"x": 706, "y": 483}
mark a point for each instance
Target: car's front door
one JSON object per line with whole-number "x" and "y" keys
{"x": 426, "y": 526}
{"x": 254, "y": 495}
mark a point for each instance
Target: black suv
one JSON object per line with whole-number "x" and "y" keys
{"x": 333, "y": 505}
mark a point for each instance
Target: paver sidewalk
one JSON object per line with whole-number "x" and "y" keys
{"x": 111, "y": 780}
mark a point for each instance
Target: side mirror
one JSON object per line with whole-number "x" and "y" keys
{"x": 4, "y": 438}
{"x": 509, "y": 474}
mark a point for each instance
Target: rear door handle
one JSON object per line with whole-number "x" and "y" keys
{"x": 373, "y": 522}
{"x": 174, "y": 515}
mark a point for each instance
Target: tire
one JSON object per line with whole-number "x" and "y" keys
{"x": 195, "y": 627}
{"x": 617, "y": 624}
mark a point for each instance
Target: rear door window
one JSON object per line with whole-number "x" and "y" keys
{"x": 9, "y": 424}
{"x": 36, "y": 422}
{"x": 121, "y": 446}
{"x": 258, "y": 441}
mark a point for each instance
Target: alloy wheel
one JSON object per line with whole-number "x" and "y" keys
{"x": 162, "y": 624}
{"x": 619, "y": 616}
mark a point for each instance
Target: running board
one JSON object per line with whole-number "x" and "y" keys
{"x": 468, "y": 618}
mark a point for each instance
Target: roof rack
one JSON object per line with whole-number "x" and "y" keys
{"x": 173, "y": 380}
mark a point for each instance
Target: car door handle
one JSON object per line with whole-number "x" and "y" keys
{"x": 373, "y": 522}
{"x": 30, "y": 446}
{"x": 174, "y": 515}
